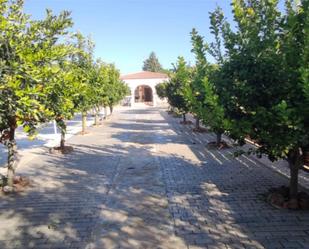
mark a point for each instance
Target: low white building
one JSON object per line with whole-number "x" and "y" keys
{"x": 143, "y": 87}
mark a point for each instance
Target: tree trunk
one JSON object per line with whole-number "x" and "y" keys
{"x": 84, "y": 122}
{"x": 96, "y": 119}
{"x": 111, "y": 109}
{"x": 197, "y": 123}
{"x": 105, "y": 112}
{"x": 12, "y": 164}
{"x": 184, "y": 118}
{"x": 293, "y": 181}
{"x": 62, "y": 127}
{"x": 62, "y": 139}
{"x": 295, "y": 162}
{"x": 219, "y": 137}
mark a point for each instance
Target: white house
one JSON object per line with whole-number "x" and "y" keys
{"x": 143, "y": 87}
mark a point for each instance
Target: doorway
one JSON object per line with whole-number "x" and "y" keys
{"x": 143, "y": 94}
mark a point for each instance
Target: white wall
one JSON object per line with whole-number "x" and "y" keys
{"x": 134, "y": 83}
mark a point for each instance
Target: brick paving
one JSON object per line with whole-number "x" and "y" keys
{"x": 217, "y": 201}
{"x": 142, "y": 180}
{"x": 280, "y": 166}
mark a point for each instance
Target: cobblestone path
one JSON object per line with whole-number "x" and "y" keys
{"x": 141, "y": 181}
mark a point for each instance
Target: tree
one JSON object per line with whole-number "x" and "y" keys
{"x": 152, "y": 64}
{"x": 99, "y": 85}
{"x": 214, "y": 113}
{"x": 195, "y": 92}
{"x": 161, "y": 90}
{"x": 27, "y": 54}
{"x": 43, "y": 75}
{"x": 84, "y": 69}
{"x": 62, "y": 91}
{"x": 117, "y": 89}
{"x": 17, "y": 103}
{"x": 266, "y": 80}
{"x": 114, "y": 89}
{"x": 175, "y": 87}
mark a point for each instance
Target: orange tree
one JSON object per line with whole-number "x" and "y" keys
{"x": 266, "y": 80}
{"x": 63, "y": 90}
{"x": 194, "y": 92}
{"x": 84, "y": 74}
{"x": 98, "y": 84}
{"x": 214, "y": 113}
{"x": 116, "y": 89}
{"x": 161, "y": 90}
{"x": 28, "y": 52}
{"x": 175, "y": 87}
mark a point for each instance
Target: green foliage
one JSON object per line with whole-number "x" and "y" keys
{"x": 266, "y": 90}
{"x": 47, "y": 73}
{"x": 62, "y": 89}
{"x": 152, "y": 64}
{"x": 161, "y": 90}
{"x": 32, "y": 65}
{"x": 175, "y": 87}
{"x": 116, "y": 88}
{"x": 266, "y": 79}
{"x": 194, "y": 92}
{"x": 214, "y": 114}
{"x": 259, "y": 84}
{"x": 84, "y": 72}
{"x": 99, "y": 84}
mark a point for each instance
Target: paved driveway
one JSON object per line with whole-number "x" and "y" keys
{"x": 143, "y": 181}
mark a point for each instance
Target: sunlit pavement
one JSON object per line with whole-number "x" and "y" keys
{"x": 47, "y": 136}
{"x": 142, "y": 180}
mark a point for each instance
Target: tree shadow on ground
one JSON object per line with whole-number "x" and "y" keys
{"x": 223, "y": 199}
{"x": 139, "y": 126}
{"x": 138, "y": 193}
{"x": 64, "y": 207}
{"x": 45, "y": 134}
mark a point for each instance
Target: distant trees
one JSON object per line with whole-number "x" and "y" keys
{"x": 47, "y": 73}
{"x": 258, "y": 85}
{"x": 152, "y": 63}
{"x": 100, "y": 87}
{"x": 116, "y": 88}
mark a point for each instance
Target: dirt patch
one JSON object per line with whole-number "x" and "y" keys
{"x": 83, "y": 133}
{"x": 214, "y": 145}
{"x": 61, "y": 150}
{"x": 176, "y": 115}
{"x": 200, "y": 130}
{"x": 20, "y": 184}
{"x": 100, "y": 123}
{"x": 279, "y": 198}
{"x": 188, "y": 122}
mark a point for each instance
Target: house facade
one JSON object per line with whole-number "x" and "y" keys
{"x": 143, "y": 87}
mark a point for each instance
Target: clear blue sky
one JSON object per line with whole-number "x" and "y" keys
{"x": 126, "y": 31}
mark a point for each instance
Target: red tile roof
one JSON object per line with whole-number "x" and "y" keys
{"x": 144, "y": 75}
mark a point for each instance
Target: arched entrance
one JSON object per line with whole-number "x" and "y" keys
{"x": 143, "y": 94}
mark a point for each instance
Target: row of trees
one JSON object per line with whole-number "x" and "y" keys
{"x": 258, "y": 85}
{"x": 48, "y": 73}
